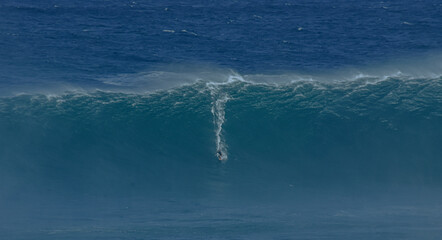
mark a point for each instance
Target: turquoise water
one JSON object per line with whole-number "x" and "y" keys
{"x": 356, "y": 158}
{"x": 232, "y": 120}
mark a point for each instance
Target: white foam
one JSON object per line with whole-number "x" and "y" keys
{"x": 164, "y": 78}
{"x": 219, "y": 100}
{"x": 189, "y": 32}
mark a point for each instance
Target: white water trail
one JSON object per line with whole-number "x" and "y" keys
{"x": 218, "y": 112}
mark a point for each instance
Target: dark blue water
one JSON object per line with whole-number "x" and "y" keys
{"x": 220, "y": 120}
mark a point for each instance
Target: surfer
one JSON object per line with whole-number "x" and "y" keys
{"x": 219, "y": 154}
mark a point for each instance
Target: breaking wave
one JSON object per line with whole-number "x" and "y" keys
{"x": 367, "y": 131}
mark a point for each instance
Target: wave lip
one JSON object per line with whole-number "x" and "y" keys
{"x": 174, "y": 76}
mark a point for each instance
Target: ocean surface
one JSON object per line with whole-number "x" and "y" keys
{"x": 124, "y": 119}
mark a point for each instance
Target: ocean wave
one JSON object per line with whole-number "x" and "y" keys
{"x": 302, "y": 131}
{"x": 167, "y": 77}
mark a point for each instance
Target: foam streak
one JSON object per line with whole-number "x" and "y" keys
{"x": 218, "y": 112}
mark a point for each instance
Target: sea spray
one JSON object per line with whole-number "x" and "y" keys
{"x": 219, "y": 101}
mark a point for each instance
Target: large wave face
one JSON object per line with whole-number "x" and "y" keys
{"x": 220, "y": 120}
{"x": 356, "y": 134}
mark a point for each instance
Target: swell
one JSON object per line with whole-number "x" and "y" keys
{"x": 305, "y": 133}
